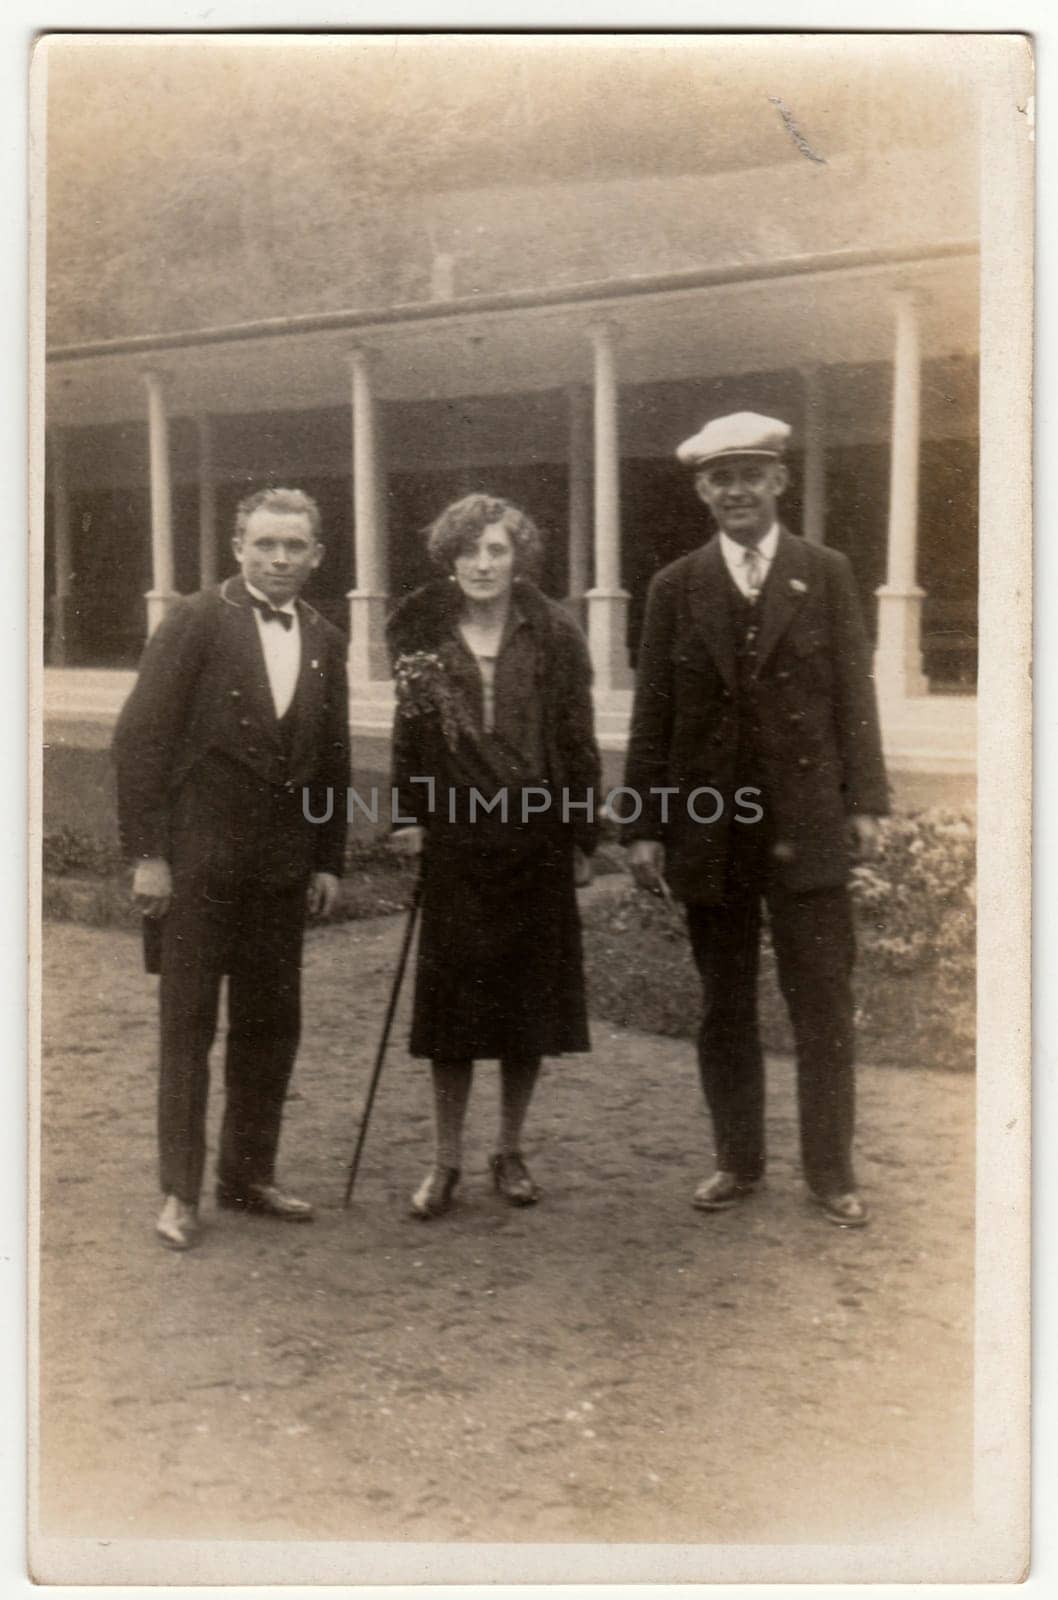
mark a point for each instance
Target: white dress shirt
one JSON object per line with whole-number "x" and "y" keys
{"x": 735, "y": 559}
{"x": 282, "y": 651}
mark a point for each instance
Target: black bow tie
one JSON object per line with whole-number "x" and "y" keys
{"x": 269, "y": 612}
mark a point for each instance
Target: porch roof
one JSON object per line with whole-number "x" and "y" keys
{"x": 831, "y": 309}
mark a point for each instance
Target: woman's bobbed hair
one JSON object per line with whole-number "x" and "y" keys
{"x": 461, "y": 524}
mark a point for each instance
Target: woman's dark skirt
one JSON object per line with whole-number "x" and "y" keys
{"x": 500, "y": 967}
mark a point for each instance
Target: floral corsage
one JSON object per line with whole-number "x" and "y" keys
{"x": 425, "y": 689}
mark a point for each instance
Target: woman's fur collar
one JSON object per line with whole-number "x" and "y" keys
{"x": 425, "y": 618}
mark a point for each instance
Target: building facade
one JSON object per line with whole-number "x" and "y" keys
{"x": 560, "y": 340}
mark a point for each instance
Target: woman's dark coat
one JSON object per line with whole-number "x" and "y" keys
{"x": 500, "y": 967}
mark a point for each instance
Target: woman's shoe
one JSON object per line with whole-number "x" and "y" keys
{"x": 510, "y": 1177}
{"x": 433, "y": 1197}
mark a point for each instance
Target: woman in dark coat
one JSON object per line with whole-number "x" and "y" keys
{"x": 497, "y": 770}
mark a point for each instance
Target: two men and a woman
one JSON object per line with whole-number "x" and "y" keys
{"x": 753, "y": 672}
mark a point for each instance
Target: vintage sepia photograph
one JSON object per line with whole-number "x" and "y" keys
{"x": 531, "y": 696}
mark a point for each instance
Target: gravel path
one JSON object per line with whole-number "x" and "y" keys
{"x": 607, "y": 1366}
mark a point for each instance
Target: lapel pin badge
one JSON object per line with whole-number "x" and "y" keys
{"x": 798, "y": 587}
{"x": 315, "y": 665}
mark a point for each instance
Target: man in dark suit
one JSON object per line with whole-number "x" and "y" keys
{"x": 755, "y": 710}
{"x": 228, "y": 744}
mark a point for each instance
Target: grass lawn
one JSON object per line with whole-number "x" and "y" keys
{"x": 640, "y": 973}
{"x": 639, "y": 968}
{"x": 644, "y": 978}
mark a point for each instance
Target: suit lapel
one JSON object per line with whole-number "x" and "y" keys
{"x": 310, "y": 685}
{"x": 783, "y": 593}
{"x": 710, "y": 607}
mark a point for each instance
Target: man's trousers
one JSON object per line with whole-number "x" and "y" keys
{"x": 814, "y": 947}
{"x": 254, "y": 934}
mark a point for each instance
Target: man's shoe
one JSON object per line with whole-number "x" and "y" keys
{"x": 177, "y": 1226}
{"x": 721, "y": 1191}
{"x": 264, "y": 1200}
{"x": 846, "y": 1210}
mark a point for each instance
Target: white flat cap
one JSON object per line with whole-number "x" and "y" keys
{"x": 744, "y": 433}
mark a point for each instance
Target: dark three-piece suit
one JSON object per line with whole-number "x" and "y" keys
{"x": 212, "y": 780}
{"x": 774, "y": 695}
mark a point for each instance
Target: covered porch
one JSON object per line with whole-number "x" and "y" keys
{"x": 586, "y": 389}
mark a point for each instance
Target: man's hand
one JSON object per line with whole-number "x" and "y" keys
{"x": 581, "y": 868}
{"x": 407, "y": 841}
{"x": 323, "y": 894}
{"x": 865, "y": 835}
{"x": 647, "y": 860}
{"x": 152, "y": 886}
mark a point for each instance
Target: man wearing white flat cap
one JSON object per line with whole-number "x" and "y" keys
{"x": 756, "y": 757}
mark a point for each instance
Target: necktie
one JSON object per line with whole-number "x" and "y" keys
{"x": 270, "y": 613}
{"x": 754, "y": 570}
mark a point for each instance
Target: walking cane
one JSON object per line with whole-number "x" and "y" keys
{"x": 409, "y": 929}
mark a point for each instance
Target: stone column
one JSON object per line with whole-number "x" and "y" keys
{"x": 367, "y": 602}
{"x": 161, "y": 594}
{"x": 580, "y": 495}
{"x": 815, "y": 482}
{"x": 208, "y": 563}
{"x": 898, "y": 657}
{"x": 60, "y": 648}
{"x": 607, "y": 601}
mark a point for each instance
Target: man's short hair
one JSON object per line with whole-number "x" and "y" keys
{"x": 291, "y": 501}
{"x": 460, "y": 526}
